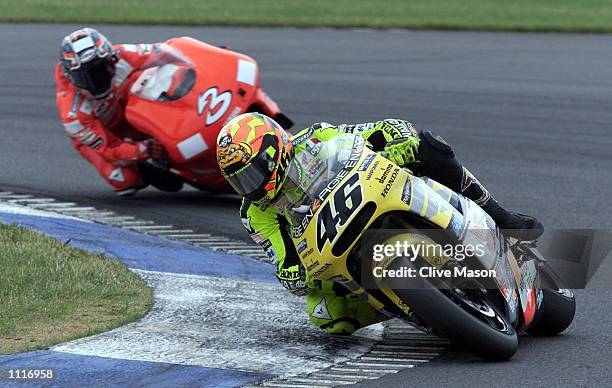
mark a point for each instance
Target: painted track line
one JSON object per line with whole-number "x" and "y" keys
{"x": 377, "y": 362}
{"x": 402, "y": 346}
{"x": 215, "y": 322}
{"x": 171, "y": 232}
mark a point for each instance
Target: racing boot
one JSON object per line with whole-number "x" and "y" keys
{"x": 520, "y": 226}
{"x": 438, "y": 161}
{"x": 160, "y": 179}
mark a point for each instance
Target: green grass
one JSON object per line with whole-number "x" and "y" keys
{"x": 50, "y": 292}
{"x": 521, "y": 15}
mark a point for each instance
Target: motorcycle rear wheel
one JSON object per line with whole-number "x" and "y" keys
{"x": 558, "y": 305}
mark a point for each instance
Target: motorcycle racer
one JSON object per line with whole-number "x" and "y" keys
{"x": 93, "y": 79}
{"x": 254, "y": 153}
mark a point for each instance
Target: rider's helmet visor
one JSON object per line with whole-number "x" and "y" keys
{"x": 95, "y": 76}
{"x": 250, "y": 181}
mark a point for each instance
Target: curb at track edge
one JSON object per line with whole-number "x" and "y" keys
{"x": 402, "y": 346}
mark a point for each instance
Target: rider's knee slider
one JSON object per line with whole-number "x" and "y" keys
{"x": 341, "y": 326}
{"x": 127, "y": 192}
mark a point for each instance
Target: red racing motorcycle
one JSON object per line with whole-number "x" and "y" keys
{"x": 184, "y": 95}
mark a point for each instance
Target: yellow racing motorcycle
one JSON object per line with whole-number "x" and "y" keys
{"x": 418, "y": 251}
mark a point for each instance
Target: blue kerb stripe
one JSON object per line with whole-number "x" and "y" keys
{"x": 73, "y": 370}
{"x": 146, "y": 252}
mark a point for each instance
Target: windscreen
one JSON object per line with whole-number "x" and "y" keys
{"x": 167, "y": 76}
{"x": 315, "y": 171}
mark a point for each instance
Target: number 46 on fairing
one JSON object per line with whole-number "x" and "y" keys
{"x": 337, "y": 211}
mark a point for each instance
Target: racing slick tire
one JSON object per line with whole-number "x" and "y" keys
{"x": 558, "y": 305}
{"x": 466, "y": 317}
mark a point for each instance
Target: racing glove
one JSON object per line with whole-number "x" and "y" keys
{"x": 158, "y": 156}
{"x": 294, "y": 279}
{"x": 402, "y": 151}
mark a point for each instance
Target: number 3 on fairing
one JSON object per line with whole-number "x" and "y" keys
{"x": 212, "y": 98}
{"x": 338, "y": 211}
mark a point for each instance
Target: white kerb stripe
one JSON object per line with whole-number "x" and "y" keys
{"x": 246, "y": 72}
{"x": 82, "y": 44}
{"x": 18, "y": 209}
{"x": 192, "y": 146}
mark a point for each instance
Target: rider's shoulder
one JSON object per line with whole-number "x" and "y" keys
{"x": 394, "y": 125}
{"x": 401, "y": 123}
{"x": 132, "y": 54}
{"x": 320, "y": 126}
{"x": 315, "y": 130}
{"x": 132, "y": 49}
{"x": 130, "y": 57}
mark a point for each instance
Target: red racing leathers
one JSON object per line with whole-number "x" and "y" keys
{"x": 98, "y": 128}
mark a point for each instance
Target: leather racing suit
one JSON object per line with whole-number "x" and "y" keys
{"x": 98, "y": 129}
{"x": 329, "y": 305}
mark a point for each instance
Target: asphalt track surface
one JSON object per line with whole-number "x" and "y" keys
{"x": 528, "y": 113}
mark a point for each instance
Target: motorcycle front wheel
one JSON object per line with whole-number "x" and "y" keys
{"x": 466, "y": 317}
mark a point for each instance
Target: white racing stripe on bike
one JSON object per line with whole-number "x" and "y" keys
{"x": 247, "y": 72}
{"x": 192, "y": 146}
{"x": 224, "y": 323}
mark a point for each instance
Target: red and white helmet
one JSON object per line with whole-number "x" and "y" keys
{"x": 88, "y": 61}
